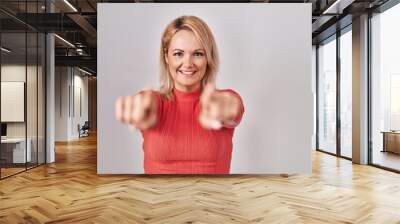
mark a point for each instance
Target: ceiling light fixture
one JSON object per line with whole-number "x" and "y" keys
{"x": 70, "y": 5}
{"x": 79, "y": 51}
{"x": 64, "y": 40}
{"x": 5, "y": 50}
{"x": 329, "y": 9}
{"x": 337, "y": 7}
{"x": 84, "y": 71}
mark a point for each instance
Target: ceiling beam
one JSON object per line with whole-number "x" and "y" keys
{"x": 84, "y": 61}
{"x": 84, "y": 24}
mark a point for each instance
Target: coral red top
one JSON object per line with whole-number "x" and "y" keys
{"x": 179, "y": 145}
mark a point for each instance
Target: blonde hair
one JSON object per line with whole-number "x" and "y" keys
{"x": 203, "y": 33}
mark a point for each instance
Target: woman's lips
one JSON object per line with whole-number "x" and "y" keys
{"x": 187, "y": 73}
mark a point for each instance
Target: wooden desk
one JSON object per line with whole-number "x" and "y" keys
{"x": 13, "y": 150}
{"x": 391, "y": 141}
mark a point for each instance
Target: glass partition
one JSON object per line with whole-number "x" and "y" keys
{"x": 13, "y": 95}
{"x": 327, "y": 96}
{"x": 385, "y": 87}
{"x": 346, "y": 93}
{"x": 22, "y": 63}
{"x": 32, "y": 95}
{"x": 41, "y": 107}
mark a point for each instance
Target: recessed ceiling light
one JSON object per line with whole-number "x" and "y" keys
{"x": 337, "y": 7}
{"x": 70, "y": 5}
{"x": 84, "y": 71}
{"x": 64, "y": 40}
{"x": 5, "y": 50}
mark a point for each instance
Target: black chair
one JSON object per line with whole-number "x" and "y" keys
{"x": 84, "y": 130}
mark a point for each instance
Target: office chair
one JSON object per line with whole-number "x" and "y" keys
{"x": 84, "y": 130}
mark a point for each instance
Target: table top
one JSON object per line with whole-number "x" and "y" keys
{"x": 391, "y": 132}
{"x": 13, "y": 140}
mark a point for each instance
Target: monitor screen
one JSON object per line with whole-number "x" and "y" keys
{"x": 3, "y": 129}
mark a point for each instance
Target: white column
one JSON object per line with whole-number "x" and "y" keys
{"x": 360, "y": 90}
{"x": 50, "y": 92}
{"x": 50, "y": 100}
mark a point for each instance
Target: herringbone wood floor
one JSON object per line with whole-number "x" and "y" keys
{"x": 70, "y": 191}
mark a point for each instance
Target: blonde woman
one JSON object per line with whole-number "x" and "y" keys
{"x": 188, "y": 125}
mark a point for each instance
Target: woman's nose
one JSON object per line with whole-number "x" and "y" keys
{"x": 188, "y": 61}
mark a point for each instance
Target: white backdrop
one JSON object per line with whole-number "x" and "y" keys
{"x": 12, "y": 101}
{"x": 265, "y": 52}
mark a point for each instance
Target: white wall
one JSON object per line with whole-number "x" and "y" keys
{"x": 61, "y": 103}
{"x": 67, "y": 81}
{"x": 15, "y": 72}
{"x": 80, "y": 84}
{"x": 265, "y": 52}
{"x": 11, "y": 73}
{"x": 314, "y": 88}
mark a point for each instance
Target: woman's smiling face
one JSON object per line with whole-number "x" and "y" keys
{"x": 187, "y": 61}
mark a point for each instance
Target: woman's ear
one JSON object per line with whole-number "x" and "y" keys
{"x": 166, "y": 58}
{"x": 166, "y": 55}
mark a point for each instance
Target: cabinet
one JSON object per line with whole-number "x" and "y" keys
{"x": 391, "y": 142}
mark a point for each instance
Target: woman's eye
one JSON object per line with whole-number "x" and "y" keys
{"x": 178, "y": 54}
{"x": 198, "y": 54}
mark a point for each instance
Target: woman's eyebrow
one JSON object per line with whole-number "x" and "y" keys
{"x": 177, "y": 49}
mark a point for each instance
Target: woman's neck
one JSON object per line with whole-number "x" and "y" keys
{"x": 188, "y": 89}
{"x": 186, "y": 96}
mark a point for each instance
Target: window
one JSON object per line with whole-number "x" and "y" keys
{"x": 385, "y": 88}
{"x": 327, "y": 96}
{"x": 346, "y": 93}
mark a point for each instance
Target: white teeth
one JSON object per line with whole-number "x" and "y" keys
{"x": 187, "y": 73}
